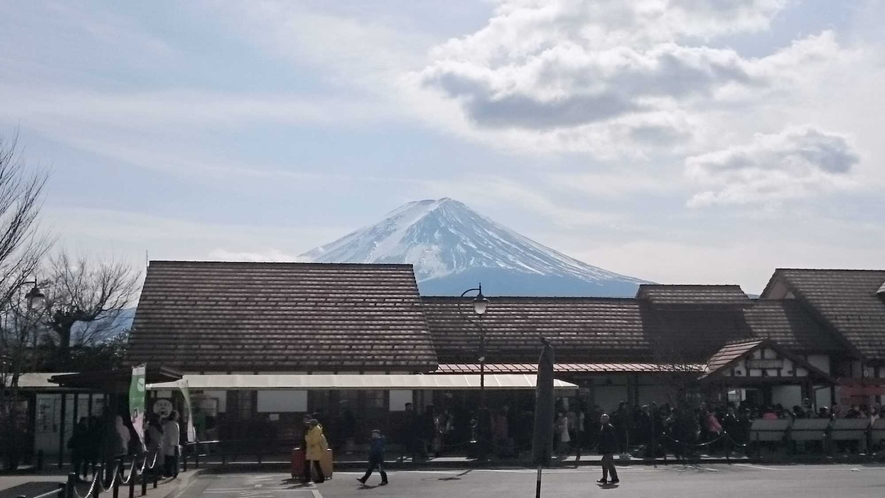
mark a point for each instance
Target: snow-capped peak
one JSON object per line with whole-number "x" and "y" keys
{"x": 444, "y": 237}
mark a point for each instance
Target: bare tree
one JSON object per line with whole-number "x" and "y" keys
{"x": 22, "y": 246}
{"x": 85, "y": 298}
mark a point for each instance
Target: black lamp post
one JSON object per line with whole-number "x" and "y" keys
{"x": 480, "y": 306}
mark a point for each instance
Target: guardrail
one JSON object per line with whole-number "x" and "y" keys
{"x": 110, "y": 478}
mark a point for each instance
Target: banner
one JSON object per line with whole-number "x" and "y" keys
{"x": 136, "y": 401}
{"x": 191, "y": 432}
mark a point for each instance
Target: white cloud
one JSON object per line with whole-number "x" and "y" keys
{"x": 796, "y": 163}
{"x": 592, "y": 76}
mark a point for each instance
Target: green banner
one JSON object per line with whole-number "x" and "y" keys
{"x": 136, "y": 401}
{"x": 191, "y": 433}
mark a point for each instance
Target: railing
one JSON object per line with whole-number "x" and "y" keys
{"x": 116, "y": 476}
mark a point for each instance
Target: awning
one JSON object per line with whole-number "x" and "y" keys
{"x": 518, "y": 368}
{"x": 113, "y": 381}
{"x": 35, "y": 381}
{"x": 355, "y": 382}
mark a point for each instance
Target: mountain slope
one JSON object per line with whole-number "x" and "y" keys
{"x": 452, "y": 248}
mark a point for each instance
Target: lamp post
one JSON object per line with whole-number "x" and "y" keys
{"x": 480, "y": 306}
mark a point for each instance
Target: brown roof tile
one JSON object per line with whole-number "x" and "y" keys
{"x": 788, "y": 323}
{"x": 844, "y": 299}
{"x": 226, "y": 317}
{"x": 686, "y": 295}
{"x": 582, "y": 330}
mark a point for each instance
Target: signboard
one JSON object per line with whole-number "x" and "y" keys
{"x": 765, "y": 364}
{"x": 163, "y": 407}
{"x": 136, "y": 401}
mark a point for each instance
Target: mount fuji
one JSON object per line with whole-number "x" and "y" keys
{"x": 453, "y": 248}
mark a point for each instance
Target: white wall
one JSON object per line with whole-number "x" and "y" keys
{"x": 788, "y": 396}
{"x": 608, "y": 397}
{"x": 399, "y": 398}
{"x": 820, "y": 361}
{"x": 647, "y": 394}
{"x": 822, "y": 397}
{"x": 285, "y": 401}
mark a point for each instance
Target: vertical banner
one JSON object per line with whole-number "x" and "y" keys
{"x": 191, "y": 432}
{"x": 136, "y": 401}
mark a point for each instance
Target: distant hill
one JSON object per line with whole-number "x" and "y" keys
{"x": 453, "y": 248}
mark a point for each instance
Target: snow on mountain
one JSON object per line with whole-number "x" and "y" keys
{"x": 452, "y": 248}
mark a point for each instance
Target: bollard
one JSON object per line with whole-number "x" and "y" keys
{"x": 69, "y": 486}
{"x": 62, "y": 487}
{"x": 197, "y": 455}
{"x": 144, "y": 480}
{"x": 184, "y": 459}
{"x": 132, "y": 483}
{"x": 40, "y": 460}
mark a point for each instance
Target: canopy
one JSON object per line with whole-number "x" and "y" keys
{"x": 113, "y": 381}
{"x": 355, "y": 382}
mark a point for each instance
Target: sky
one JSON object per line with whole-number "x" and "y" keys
{"x": 678, "y": 141}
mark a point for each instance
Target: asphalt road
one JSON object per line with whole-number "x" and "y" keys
{"x": 707, "y": 481}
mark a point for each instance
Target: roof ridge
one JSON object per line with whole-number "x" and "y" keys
{"x": 305, "y": 263}
{"x": 830, "y": 269}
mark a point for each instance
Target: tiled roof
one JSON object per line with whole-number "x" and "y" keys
{"x": 844, "y": 299}
{"x": 692, "y": 294}
{"x": 788, "y": 323}
{"x": 294, "y": 317}
{"x": 581, "y": 329}
{"x": 529, "y": 368}
{"x": 731, "y": 352}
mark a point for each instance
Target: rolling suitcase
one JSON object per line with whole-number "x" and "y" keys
{"x": 297, "y": 467}
{"x": 326, "y": 464}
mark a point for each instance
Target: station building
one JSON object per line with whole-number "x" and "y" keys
{"x": 261, "y": 344}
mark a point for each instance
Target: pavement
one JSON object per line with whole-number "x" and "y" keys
{"x": 738, "y": 480}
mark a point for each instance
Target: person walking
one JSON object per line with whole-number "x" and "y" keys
{"x": 608, "y": 446}
{"x": 376, "y": 458}
{"x": 314, "y": 452}
{"x": 171, "y": 441}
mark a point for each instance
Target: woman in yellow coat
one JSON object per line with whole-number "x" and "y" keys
{"x": 314, "y": 452}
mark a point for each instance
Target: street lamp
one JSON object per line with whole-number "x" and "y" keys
{"x": 35, "y": 298}
{"x": 480, "y": 306}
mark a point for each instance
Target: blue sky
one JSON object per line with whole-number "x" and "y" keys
{"x": 672, "y": 140}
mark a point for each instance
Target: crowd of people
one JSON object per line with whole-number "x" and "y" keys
{"x": 655, "y": 429}
{"x": 102, "y": 440}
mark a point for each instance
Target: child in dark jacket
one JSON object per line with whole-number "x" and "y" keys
{"x": 376, "y": 458}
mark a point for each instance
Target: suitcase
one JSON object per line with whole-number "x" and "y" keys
{"x": 297, "y": 467}
{"x": 326, "y": 464}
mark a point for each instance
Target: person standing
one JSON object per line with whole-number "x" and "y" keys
{"x": 78, "y": 444}
{"x": 608, "y": 446}
{"x": 314, "y": 452}
{"x": 376, "y": 458}
{"x": 154, "y": 438}
{"x": 171, "y": 441}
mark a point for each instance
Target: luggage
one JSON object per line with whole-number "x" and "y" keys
{"x": 297, "y": 467}
{"x": 326, "y": 464}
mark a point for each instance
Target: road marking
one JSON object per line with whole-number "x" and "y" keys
{"x": 316, "y": 493}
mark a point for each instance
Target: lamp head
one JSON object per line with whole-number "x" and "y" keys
{"x": 480, "y": 303}
{"x": 35, "y": 298}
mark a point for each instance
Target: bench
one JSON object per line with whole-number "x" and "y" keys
{"x": 768, "y": 431}
{"x": 809, "y": 429}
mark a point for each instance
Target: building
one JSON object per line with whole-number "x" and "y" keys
{"x": 261, "y": 344}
